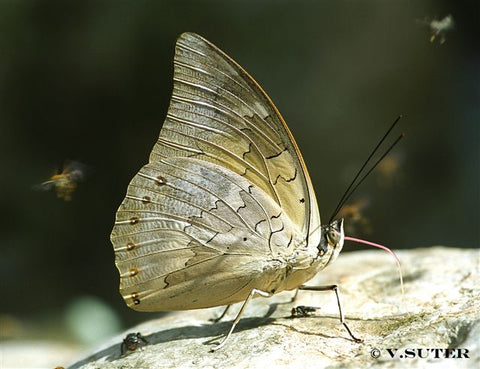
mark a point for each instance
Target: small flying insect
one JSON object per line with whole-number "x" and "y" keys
{"x": 353, "y": 213}
{"x": 387, "y": 171}
{"x": 132, "y": 341}
{"x": 439, "y": 27}
{"x": 65, "y": 182}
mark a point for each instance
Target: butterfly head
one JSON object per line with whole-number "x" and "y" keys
{"x": 332, "y": 239}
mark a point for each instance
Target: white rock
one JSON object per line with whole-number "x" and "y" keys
{"x": 440, "y": 309}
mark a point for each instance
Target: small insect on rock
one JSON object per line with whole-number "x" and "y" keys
{"x": 132, "y": 342}
{"x": 225, "y": 209}
{"x": 303, "y": 311}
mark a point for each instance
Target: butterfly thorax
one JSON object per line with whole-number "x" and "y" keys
{"x": 305, "y": 263}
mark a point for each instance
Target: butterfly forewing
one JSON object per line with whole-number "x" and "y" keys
{"x": 224, "y": 194}
{"x": 220, "y": 114}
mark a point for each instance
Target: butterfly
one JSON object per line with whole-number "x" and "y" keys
{"x": 225, "y": 209}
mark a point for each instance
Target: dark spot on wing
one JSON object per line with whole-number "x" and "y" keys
{"x": 160, "y": 181}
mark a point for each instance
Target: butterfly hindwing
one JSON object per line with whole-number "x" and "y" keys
{"x": 186, "y": 225}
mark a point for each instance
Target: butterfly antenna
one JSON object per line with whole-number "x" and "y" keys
{"x": 348, "y": 193}
{"x": 369, "y": 171}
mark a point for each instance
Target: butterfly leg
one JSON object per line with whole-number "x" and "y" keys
{"x": 294, "y": 297}
{"x": 333, "y": 288}
{"x": 217, "y": 319}
{"x": 237, "y": 319}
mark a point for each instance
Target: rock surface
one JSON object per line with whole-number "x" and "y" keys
{"x": 440, "y": 309}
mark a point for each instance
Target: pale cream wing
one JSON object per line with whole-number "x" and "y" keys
{"x": 218, "y": 113}
{"x": 225, "y": 196}
{"x": 191, "y": 234}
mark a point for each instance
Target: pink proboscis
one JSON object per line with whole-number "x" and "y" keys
{"x": 397, "y": 260}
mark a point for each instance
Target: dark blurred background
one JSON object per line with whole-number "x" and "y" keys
{"x": 90, "y": 81}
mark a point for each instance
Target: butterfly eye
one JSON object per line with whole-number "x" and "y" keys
{"x": 333, "y": 237}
